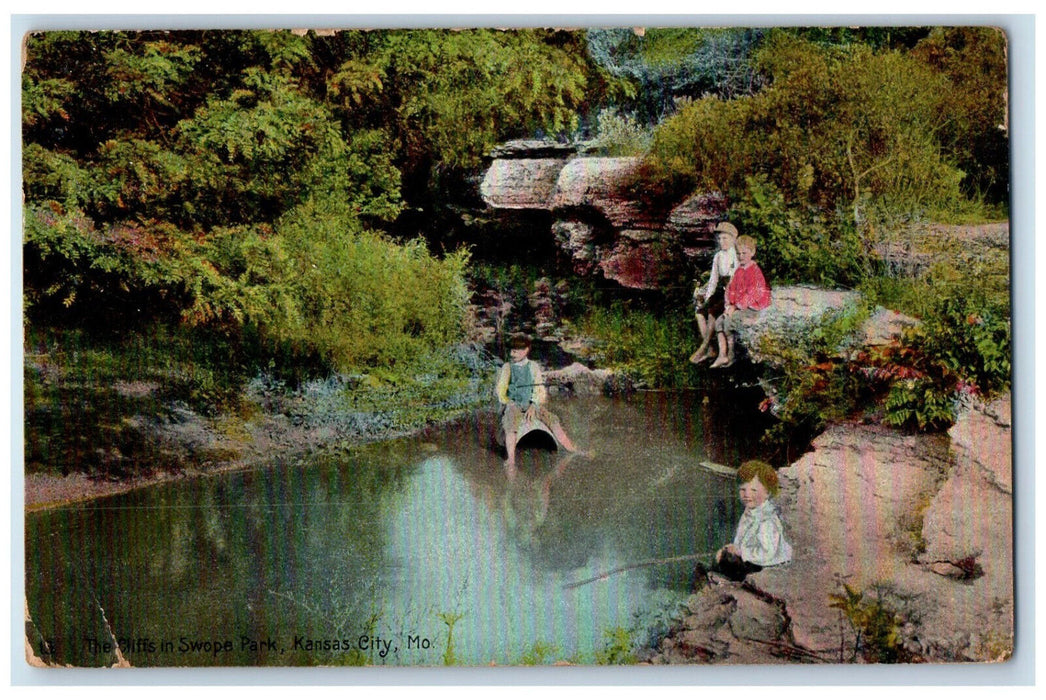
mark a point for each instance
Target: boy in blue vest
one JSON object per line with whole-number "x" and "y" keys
{"x": 521, "y": 393}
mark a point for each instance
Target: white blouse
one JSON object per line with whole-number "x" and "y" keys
{"x": 724, "y": 264}
{"x": 760, "y": 536}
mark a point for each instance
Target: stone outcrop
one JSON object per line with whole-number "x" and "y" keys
{"x": 967, "y": 525}
{"x": 578, "y": 380}
{"x": 913, "y": 251}
{"x": 919, "y": 523}
{"x": 798, "y": 308}
{"x": 521, "y": 183}
{"x": 601, "y": 185}
{"x": 693, "y": 222}
{"x": 598, "y": 217}
{"x": 730, "y": 623}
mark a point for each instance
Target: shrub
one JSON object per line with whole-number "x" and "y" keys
{"x": 876, "y": 624}
{"x": 619, "y": 647}
{"x": 816, "y": 383}
{"x": 798, "y": 244}
{"x": 836, "y": 129}
{"x": 619, "y": 134}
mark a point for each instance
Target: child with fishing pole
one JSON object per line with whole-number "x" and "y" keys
{"x": 521, "y": 393}
{"x": 758, "y": 542}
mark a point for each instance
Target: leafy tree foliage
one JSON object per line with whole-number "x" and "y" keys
{"x": 244, "y": 178}
{"x": 834, "y": 126}
{"x": 975, "y": 129}
{"x": 667, "y": 65}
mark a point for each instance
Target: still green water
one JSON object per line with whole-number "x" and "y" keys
{"x": 364, "y": 556}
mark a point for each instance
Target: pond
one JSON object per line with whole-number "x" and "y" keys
{"x": 417, "y": 551}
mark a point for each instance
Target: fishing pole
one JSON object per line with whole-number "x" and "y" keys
{"x": 638, "y": 565}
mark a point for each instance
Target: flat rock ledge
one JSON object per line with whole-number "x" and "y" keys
{"x": 578, "y": 380}
{"x": 798, "y": 308}
{"x": 922, "y": 523}
{"x": 597, "y": 217}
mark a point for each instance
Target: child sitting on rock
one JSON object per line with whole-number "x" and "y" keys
{"x": 759, "y": 540}
{"x": 522, "y": 394}
{"x": 709, "y": 299}
{"x": 746, "y": 295}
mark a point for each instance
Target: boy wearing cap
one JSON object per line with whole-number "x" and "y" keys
{"x": 709, "y": 299}
{"x": 522, "y": 394}
{"x": 746, "y": 295}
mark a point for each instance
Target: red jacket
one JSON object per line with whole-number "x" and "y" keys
{"x": 748, "y": 289}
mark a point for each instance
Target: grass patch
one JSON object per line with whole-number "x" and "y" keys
{"x": 89, "y": 398}
{"x": 650, "y": 346}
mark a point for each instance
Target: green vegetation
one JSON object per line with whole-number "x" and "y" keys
{"x": 281, "y": 210}
{"x": 875, "y": 623}
{"x": 538, "y": 654}
{"x": 239, "y": 179}
{"x": 242, "y": 190}
{"x": 619, "y": 647}
{"x": 815, "y": 384}
{"x": 652, "y": 346}
{"x": 960, "y": 349}
{"x": 847, "y": 130}
{"x": 90, "y": 400}
{"x": 450, "y": 619}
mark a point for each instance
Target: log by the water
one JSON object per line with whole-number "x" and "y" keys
{"x": 718, "y": 468}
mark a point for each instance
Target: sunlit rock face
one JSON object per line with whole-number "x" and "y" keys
{"x": 797, "y": 308}
{"x": 600, "y": 216}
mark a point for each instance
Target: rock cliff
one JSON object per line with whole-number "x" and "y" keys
{"x": 799, "y": 308}
{"x": 599, "y": 218}
{"x": 921, "y": 524}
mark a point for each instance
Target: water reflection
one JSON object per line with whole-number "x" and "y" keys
{"x": 379, "y": 542}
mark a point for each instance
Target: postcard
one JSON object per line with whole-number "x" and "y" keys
{"x": 641, "y": 346}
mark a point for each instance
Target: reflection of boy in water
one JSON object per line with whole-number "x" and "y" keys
{"x": 526, "y": 502}
{"x": 759, "y": 540}
{"x": 522, "y": 394}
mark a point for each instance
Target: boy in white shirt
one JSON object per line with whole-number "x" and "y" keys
{"x": 709, "y": 299}
{"x": 759, "y": 540}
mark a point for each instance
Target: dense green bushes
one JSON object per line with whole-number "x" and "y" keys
{"x": 843, "y": 142}
{"x": 835, "y": 127}
{"x": 242, "y": 180}
{"x": 653, "y": 347}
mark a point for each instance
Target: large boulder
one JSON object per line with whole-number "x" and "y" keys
{"x": 521, "y": 183}
{"x": 797, "y": 309}
{"x": 915, "y": 521}
{"x": 602, "y": 185}
{"x": 967, "y": 529}
{"x": 599, "y": 218}
{"x": 693, "y": 223}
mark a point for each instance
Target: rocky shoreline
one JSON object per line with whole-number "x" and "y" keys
{"x": 912, "y": 533}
